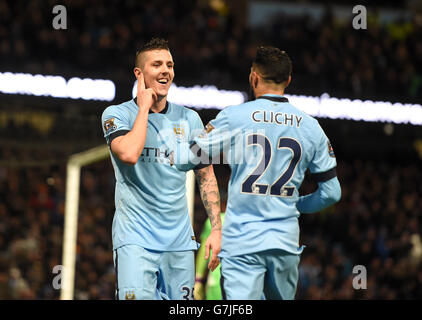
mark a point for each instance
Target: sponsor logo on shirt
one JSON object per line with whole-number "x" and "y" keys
{"x": 156, "y": 155}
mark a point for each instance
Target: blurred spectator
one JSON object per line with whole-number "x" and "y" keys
{"x": 213, "y": 46}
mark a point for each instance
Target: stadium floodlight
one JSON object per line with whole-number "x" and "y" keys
{"x": 324, "y": 106}
{"x": 57, "y": 86}
{"x": 201, "y": 97}
{"x": 358, "y": 110}
{"x": 74, "y": 165}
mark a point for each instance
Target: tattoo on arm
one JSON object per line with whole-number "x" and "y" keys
{"x": 210, "y": 195}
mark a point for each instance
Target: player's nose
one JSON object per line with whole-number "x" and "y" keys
{"x": 165, "y": 69}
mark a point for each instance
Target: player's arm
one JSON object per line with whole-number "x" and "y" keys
{"x": 129, "y": 147}
{"x": 205, "y": 144}
{"x": 210, "y": 196}
{"x": 323, "y": 171}
{"x": 328, "y": 193}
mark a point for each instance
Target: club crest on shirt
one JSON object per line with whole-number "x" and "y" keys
{"x": 330, "y": 150}
{"x": 179, "y": 130}
{"x": 130, "y": 295}
{"x": 109, "y": 125}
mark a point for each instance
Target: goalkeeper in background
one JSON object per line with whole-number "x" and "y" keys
{"x": 207, "y": 284}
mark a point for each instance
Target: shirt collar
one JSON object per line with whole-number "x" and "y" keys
{"x": 274, "y": 97}
{"x": 164, "y": 111}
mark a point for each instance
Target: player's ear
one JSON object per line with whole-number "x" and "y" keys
{"x": 137, "y": 71}
{"x": 255, "y": 79}
{"x": 288, "y": 81}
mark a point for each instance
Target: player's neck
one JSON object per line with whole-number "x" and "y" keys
{"x": 159, "y": 105}
{"x": 260, "y": 92}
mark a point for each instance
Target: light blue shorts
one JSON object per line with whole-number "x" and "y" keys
{"x": 270, "y": 274}
{"x": 144, "y": 274}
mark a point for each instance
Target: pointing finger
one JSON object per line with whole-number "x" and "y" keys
{"x": 141, "y": 82}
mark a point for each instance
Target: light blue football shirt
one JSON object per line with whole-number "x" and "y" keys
{"x": 150, "y": 196}
{"x": 269, "y": 144}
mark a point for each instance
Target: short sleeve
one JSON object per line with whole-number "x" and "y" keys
{"x": 216, "y": 136}
{"x": 190, "y": 162}
{"x": 196, "y": 125}
{"x": 114, "y": 120}
{"x": 324, "y": 158}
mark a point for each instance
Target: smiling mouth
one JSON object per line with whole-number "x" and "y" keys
{"x": 163, "y": 81}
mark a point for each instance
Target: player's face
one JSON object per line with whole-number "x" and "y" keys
{"x": 158, "y": 69}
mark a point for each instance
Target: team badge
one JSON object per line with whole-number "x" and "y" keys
{"x": 109, "y": 125}
{"x": 130, "y": 295}
{"x": 179, "y": 130}
{"x": 330, "y": 150}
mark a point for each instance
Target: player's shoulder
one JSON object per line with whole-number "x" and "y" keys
{"x": 181, "y": 108}
{"x": 238, "y": 107}
{"x": 235, "y": 111}
{"x": 184, "y": 111}
{"x": 305, "y": 116}
{"x": 118, "y": 109}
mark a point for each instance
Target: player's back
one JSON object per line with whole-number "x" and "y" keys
{"x": 276, "y": 146}
{"x": 272, "y": 143}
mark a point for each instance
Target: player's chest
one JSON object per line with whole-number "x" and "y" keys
{"x": 161, "y": 128}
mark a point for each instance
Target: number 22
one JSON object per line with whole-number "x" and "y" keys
{"x": 277, "y": 188}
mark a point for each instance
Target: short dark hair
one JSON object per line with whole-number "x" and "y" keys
{"x": 274, "y": 64}
{"x": 153, "y": 44}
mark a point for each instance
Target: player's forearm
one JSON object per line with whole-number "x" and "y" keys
{"x": 328, "y": 193}
{"x": 210, "y": 195}
{"x": 130, "y": 146}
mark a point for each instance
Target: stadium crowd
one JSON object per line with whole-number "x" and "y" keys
{"x": 215, "y": 46}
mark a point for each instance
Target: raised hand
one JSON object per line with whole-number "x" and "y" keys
{"x": 145, "y": 97}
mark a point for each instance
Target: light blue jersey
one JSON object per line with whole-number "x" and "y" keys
{"x": 269, "y": 144}
{"x": 150, "y": 196}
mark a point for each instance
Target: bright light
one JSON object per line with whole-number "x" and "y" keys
{"x": 209, "y": 97}
{"x": 57, "y": 86}
{"x": 370, "y": 111}
{"x": 206, "y": 97}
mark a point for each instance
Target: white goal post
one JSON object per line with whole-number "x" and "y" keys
{"x": 74, "y": 165}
